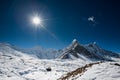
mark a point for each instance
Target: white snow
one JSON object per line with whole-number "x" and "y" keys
{"x": 104, "y": 71}
{"x": 25, "y": 67}
{"x": 16, "y": 65}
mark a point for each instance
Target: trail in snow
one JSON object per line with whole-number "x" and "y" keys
{"x": 80, "y": 71}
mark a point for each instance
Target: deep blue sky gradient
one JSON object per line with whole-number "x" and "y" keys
{"x": 64, "y": 21}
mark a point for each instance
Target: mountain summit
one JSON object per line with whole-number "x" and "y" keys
{"x": 86, "y": 52}
{"x": 75, "y": 50}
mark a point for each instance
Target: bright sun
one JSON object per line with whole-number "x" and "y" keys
{"x": 36, "y": 20}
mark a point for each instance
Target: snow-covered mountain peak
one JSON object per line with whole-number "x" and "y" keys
{"x": 74, "y": 44}
{"x": 75, "y": 41}
{"x": 94, "y": 44}
{"x": 90, "y": 51}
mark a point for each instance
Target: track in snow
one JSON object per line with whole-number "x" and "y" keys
{"x": 80, "y": 70}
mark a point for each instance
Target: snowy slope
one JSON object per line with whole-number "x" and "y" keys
{"x": 24, "y": 67}
{"x": 37, "y": 52}
{"x": 104, "y": 71}
{"x": 17, "y": 65}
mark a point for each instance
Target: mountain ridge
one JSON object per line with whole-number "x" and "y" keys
{"x": 74, "y": 51}
{"x": 91, "y": 51}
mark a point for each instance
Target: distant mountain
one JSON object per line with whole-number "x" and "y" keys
{"x": 86, "y": 52}
{"x": 74, "y": 51}
{"x": 37, "y": 52}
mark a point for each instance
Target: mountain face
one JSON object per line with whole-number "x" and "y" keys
{"x": 74, "y": 51}
{"x": 86, "y": 52}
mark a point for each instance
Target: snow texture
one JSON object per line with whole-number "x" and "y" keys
{"x": 31, "y": 64}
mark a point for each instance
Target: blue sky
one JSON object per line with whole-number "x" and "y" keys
{"x": 63, "y": 20}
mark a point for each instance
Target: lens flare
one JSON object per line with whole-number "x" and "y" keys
{"x": 36, "y": 20}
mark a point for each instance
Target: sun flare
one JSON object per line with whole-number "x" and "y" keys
{"x": 36, "y": 20}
